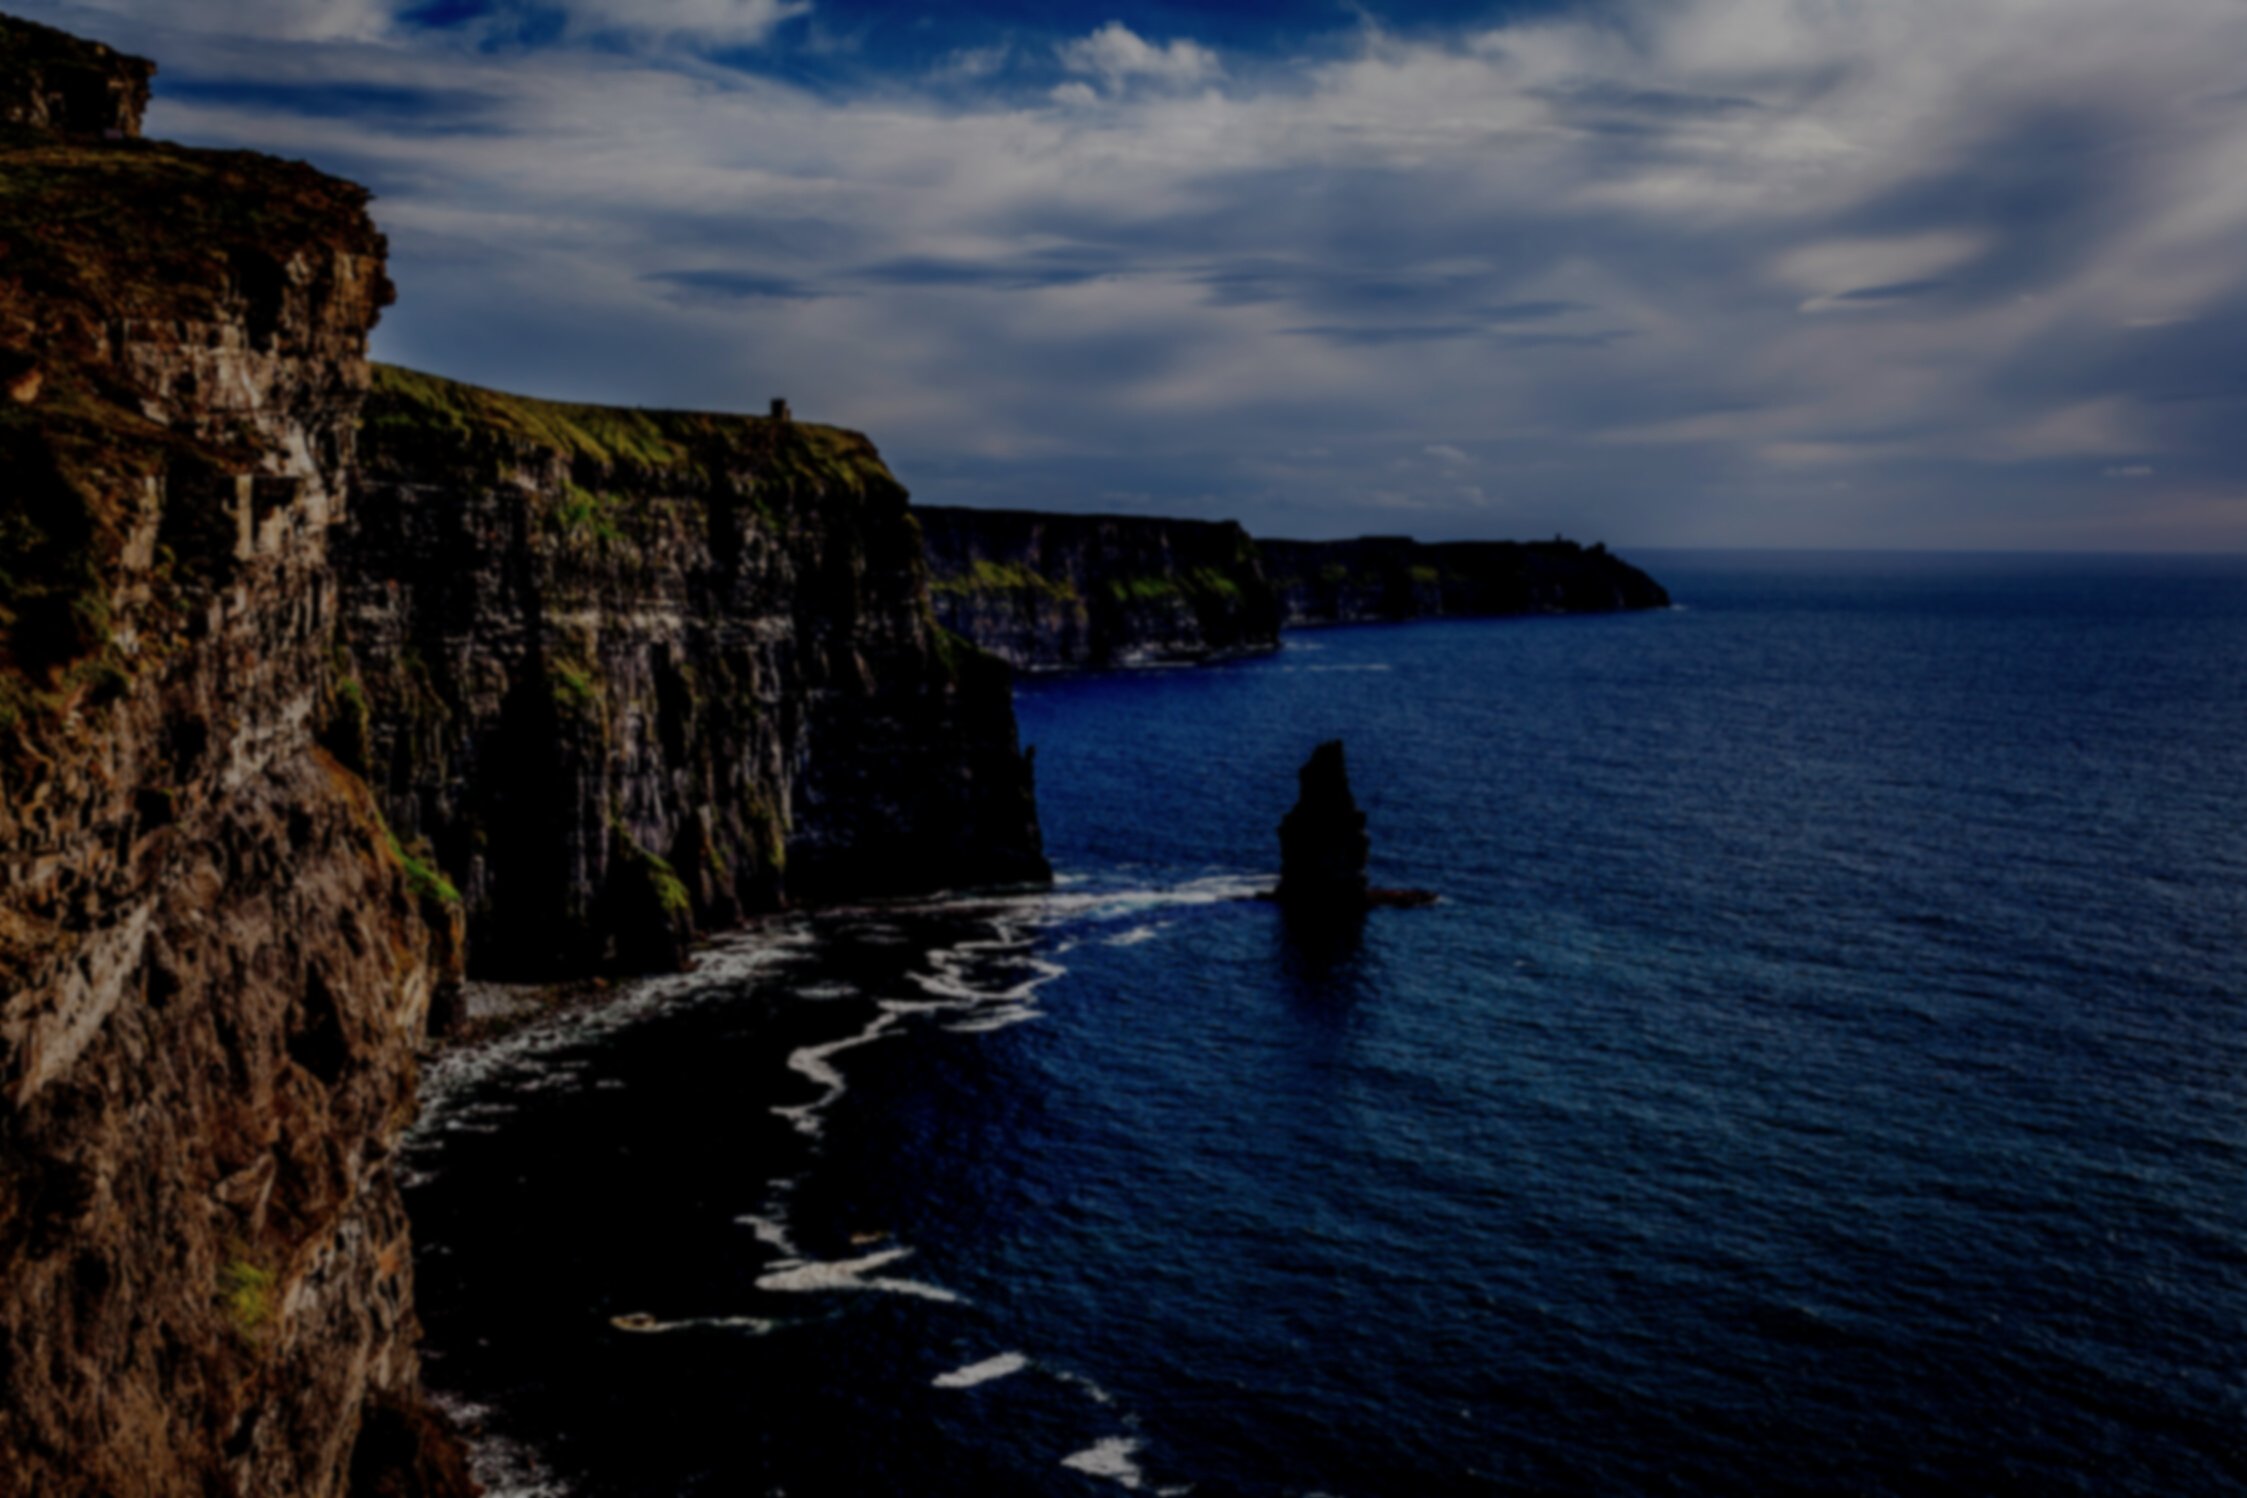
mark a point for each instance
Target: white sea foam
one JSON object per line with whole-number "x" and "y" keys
{"x": 468, "y": 1087}
{"x": 1000, "y": 1019}
{"x": 1003, "y": 1365}
{"x": 800, "y": 1277}
{"x": 972, "y": 987}
{"x": 772, "y": 1233}
{"x": 1113, "y": 1458}
{"x": 1092, "y": 1390}
{"x": 812, "y": 1061}
{"x": 641, "y": 1322}
{"x": 505, "y": 1468}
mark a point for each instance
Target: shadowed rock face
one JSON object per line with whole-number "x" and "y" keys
{"x": 1323, "y": 845}
{"x": 1381, "y": 578}
{"x": 1054, "y": 592}
{"x": 214, "y": 965}
{"x": 1058, "y": 592}
{"x": 51, "y": 80}
{"x": 633, "y": 673}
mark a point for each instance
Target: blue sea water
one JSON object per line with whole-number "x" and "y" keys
{"x": 1826, "y": 1072}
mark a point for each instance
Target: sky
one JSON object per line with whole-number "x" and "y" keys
{"x": 1920, "y": 274}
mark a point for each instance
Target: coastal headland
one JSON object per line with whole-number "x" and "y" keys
{"x": 323, "y": 684}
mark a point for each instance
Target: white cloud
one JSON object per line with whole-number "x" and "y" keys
{"x": 966, "y": 64}
{"x": 1835, "y": 270}
{"x": 1117, "y": 55}
{"x": 1415, "y": 248}
{"x": 720, "y": 22}
{"x": 287, "y": 20}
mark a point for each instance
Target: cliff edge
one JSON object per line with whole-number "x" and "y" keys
{"x": 214, "y": 963}
{"x": 622, "y": 674}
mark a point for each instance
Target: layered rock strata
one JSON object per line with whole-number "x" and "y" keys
{"x": 1051, "y": 592}
{"x": 1387, "y": 578}
{"x": 214, "y": 964}
{"x": 629, "y": 673}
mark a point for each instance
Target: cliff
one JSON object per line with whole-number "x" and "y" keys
{"x": 1394, "y": 577}
{"x": 625, "y": 673}
{"x": 1053, "y": 592}
{"x": 213, "y": 965}
{"x": 1049, "y": 591}
{"x": 52, "y": 81}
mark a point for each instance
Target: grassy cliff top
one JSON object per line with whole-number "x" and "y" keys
{"x": 414, "y": 420}
{"x": 137, "y": 229}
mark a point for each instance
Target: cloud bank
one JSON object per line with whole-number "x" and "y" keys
{"x": 1759, "y": 272}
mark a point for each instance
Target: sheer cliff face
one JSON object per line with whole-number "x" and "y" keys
{"x": 212, "y": 966}
{"x": 1054, "y": 592}
{"x": 628, "y": 673}
{"x": 1393, "y": 577}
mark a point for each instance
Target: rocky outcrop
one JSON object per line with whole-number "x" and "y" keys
{"x": 1050, "y": 592}
{"x": 1323, "y": 852}
{"x": 52, "y": 81}
{"x": 1323, "y": 845}
{"x": 213, "y": 964}
{"x": 1386, "y": 578}
{"x": 623, "y": 674}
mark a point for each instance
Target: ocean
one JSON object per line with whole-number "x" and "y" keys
{"x": 1825, "y": 1071}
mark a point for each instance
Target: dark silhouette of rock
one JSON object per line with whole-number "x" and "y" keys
{"x": 1323, "y": 846}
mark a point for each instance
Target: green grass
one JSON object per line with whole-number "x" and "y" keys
{"x": 1210, "y": 584}
{"x": 589, "y": 512}
{"x": 424, "y": 405}
{"x": 247, "y": 1293}
{"x": 670, "y": 889}
{"x": 575, "y": 689}
{"x": 424, "y": 877}
{"x": 414, "y": 419}
{"x": 1203, "y": 587}
{"x": 772, "y": 834}
{"x": 671, "y": 894}
{"x": 1142, "y": 589}
{"x": 984, "y": 576}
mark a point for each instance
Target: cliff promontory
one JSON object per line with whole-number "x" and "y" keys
{"x": 1052, "y": 591}
{"x": 1386, "y": 578}
{"x": 1056, "y": 592}
{"x": 213, "y": 963}
{"x": 621, "y": 674}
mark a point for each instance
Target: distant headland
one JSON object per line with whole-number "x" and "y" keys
{"x": 1048, "y": 592}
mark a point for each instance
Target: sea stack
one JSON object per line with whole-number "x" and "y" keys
{"x": 1323, "y": 845}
